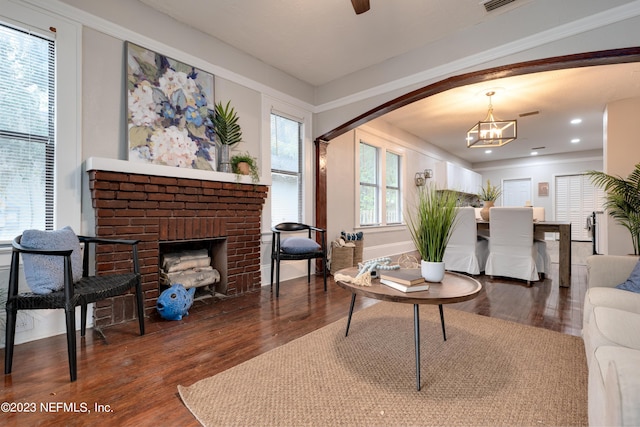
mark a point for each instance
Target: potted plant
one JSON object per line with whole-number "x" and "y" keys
{"x": 228, "y": 131}
{"x": 245, "y": 164}
{"x": 488, "y": 195}
{"x": 622, "y": 200}
{"x": 430, "y": 223}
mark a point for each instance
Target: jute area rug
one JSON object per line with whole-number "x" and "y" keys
{"x": 488, "y": 372}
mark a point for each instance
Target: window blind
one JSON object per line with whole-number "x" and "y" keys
{"x": 27, "y": 133}
{"x": 576, "y": 198}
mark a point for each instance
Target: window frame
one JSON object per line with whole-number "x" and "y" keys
{"x": 285, "y": 109}
{"x": 383, "y": 146}
{"x": 68, "y": 82}
{"x": 299, "y": 172}
{"x": 375, "y": 185}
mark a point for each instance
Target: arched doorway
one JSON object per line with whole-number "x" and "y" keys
{"x": 588, "y": 59}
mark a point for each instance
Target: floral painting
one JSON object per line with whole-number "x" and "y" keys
{"x": 168, "y": 113}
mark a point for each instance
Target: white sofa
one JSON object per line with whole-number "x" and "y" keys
{"x": 611, "y": 333}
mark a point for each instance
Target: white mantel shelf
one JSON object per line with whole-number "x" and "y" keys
{"x": 125, "y": 166}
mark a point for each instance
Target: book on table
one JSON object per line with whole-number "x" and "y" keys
{"x": 424, "y": 286}
{"x": 405, "y": 280}
{"x": 404, "y": 276}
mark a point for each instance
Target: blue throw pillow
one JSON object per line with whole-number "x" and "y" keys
{"x": 45, "y": 273}
{"x": 299, "y": 245}
{"x": 633, "y": 282}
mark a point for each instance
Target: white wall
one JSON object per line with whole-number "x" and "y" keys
{"x": 622, "y": 153}
{"x": 540, "y": 169}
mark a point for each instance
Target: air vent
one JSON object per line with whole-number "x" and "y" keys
{"x": 538, "y": 148}
{"x": 530, "y": 113}
{"x": 490, "y": 5}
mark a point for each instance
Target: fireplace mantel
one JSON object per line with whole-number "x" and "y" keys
{"x": 125, "y": 166}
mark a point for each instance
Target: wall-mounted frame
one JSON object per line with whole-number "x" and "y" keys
{"x": 168, "y": 108}
{"x": 543, "y": 189}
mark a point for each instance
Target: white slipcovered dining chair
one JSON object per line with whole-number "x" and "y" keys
{"x": 466, "y": 251}
{"x": 512, "y": 250}
{"x": 543, "y": 261}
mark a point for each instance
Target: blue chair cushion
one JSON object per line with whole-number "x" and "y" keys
{"x": 45, "y": 273}
{"x": 633, "y": 282}
{"x": 299, "y": 245}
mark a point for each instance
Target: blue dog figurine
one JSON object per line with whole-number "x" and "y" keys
{"x": 175, "y": 302}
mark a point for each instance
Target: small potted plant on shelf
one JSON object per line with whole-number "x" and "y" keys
{"x": 228, "y": 131}
{"x": 245, "y": 164}
{"x": 488, "y": 195}
{"x": 430, "y": 223}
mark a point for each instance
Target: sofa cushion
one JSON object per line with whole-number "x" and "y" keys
{"x": 612, "y": 298}
{"x": 618, "y": 326}
{"x": 45, "y": 273}
{"x": 633, "y": 282}
{"x": 299, "y": 245}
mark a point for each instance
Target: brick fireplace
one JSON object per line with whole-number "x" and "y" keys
{"x": 157, "y": 209}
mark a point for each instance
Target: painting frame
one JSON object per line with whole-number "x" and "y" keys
{"x": 543, "y": 189}
{"x": 169, "y": 108}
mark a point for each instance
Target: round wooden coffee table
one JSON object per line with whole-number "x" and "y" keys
{"x": 453, "y": 288}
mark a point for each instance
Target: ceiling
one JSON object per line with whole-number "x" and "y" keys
{"x": 556, "y": 96}
{"x": 315, "y": 42}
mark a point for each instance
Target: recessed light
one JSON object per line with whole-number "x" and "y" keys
{"x": 534, "y": 153}
{"x": 487, "y": 151}
{"x": 576, "y": 121}
{"x": 575, "y": 140}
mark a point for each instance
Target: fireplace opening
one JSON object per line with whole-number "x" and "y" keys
{"x": 198, "y": 263}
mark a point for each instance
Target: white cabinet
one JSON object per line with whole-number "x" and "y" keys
{"x": 450, "y": 176}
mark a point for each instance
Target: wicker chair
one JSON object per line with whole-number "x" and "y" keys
{"x": 87, "y": 290}
{"x": 305, "y": 249}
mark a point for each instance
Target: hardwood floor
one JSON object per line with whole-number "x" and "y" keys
{"x": 134, "y": 378}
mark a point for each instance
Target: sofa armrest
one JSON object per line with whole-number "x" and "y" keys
{"x": 609, "y": 270}
{"x": 622, "y": 388}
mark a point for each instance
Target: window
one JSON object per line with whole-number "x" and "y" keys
{"x": 379, "y": 183}
{"x": 394, "y": 207}
{"x": 286, "y": 170}
{"x": 27, "y": 101}
{"x": 369, "y": 185}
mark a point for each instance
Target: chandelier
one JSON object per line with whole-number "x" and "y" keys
{"x": 491, "y": 132}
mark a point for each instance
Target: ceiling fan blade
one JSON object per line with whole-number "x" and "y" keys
{"x": 360, "y": 6}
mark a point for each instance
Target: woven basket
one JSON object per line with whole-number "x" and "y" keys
{"x": 341, "y": 257}
{"x": 357, "y": 252}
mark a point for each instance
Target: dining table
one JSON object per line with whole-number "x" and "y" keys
{"x": 563, "y": 228}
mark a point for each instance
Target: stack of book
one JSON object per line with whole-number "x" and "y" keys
{"x": 405, "y": 280}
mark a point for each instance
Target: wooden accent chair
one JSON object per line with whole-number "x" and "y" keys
{"x": 87, "y": 290}
{"x": 296, "y": 248}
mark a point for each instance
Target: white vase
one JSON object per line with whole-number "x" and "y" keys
{"x": 432, "y": 271}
